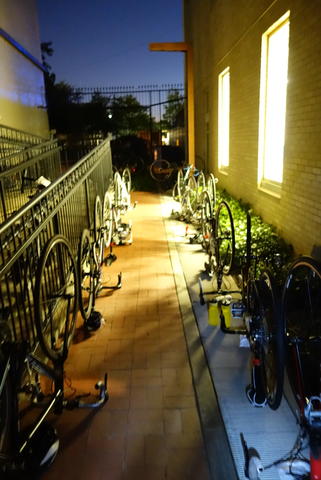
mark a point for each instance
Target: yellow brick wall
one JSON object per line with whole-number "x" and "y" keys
{"x": 228, "y": 33}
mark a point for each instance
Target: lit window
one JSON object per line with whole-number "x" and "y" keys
{"x": 223, "y": 118}
{"x": 274, "y": 74}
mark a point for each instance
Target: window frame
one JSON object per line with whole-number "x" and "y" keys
{"x": 271, "y": 186}
{"x": 223, "y": 140}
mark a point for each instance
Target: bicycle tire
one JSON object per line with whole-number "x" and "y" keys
{"x": 201, "y": 184}
{"x": 180, "y": 184}
{"x": 127, "y": 179}
{"x": 224, "y": 239}
{"x": 211, "y": 188}
{"x": 301, "y": 316}
{"x": 160, "y": 170}
{"x": 117, "y": 183}
{"x": 107, "y": 220}
{"x": 206, "y": 219}
{"x": 98, "y": 232}
{"x": 175, "y": 194}
{"x": 191, "y": 195}
{"x": 56, "y": 298}
{"x": 86, "y": 275}
{"x": 6, "y": 403}
{"x": 273, "y": 345}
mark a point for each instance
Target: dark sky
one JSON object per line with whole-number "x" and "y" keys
{"x": 105, "y": 42}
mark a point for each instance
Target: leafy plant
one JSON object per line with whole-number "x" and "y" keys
{"x": 267, "y": 246}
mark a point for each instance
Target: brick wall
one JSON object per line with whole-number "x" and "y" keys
{"x": 228, "y": 33}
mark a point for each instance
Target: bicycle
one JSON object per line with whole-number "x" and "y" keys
{"x": 26, "y": 369}
{"x": 217, "y": 237}
{"x": 91, "y": 257}
{"x": 301, "y": 324}
{"x": 256, "y": 305}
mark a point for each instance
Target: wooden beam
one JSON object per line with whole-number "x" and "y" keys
{"x": 169, "y": 47}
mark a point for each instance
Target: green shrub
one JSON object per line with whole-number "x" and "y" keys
{"x": 267, "y": 246}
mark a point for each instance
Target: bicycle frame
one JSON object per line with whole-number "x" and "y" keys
{"x": 19, "y": 364}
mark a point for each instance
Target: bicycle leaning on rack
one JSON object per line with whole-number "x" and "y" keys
{"x": 92, "y": 247}
{"x": 33, "y": 374}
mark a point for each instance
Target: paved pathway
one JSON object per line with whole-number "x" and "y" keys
{"x": 150, "y": 427}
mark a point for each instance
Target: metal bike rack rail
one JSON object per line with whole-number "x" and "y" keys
{"x": 20, "y": 170}
{"x": 64, "y": 207}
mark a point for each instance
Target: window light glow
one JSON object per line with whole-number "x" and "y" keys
{"x": 274, "y": 71}
{"x": 223, "y": 118}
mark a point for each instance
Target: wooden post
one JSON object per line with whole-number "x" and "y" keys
{"x": 184, "y": 47}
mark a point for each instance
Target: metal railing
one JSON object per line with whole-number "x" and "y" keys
{"x": 65, "y": 207}
{"x": 13, "y": 140}
{"x": 20, "y": 171}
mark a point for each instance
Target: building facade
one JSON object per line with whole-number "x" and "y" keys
{"x": 22, "y": 91}
{"x": 257, "y": 74}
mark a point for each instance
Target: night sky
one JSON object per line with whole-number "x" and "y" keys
{"x": 105, "y": 42}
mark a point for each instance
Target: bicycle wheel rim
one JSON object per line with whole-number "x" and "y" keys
{"x": 273, "y": 344}
{"x": 107, "y": 220}
{"x": 56, "y": 298}
{"x": 211, "y": 188}
{"x": 224, "y": 238}
{"x": 206, "y": 219}
{"x": 191, "y": 195}
{"x": 301, "y": 312}
{"x": 127, "y": 179}
{"x": 180, "y": 184}
{"x": 201, "y": 183}
{"x": 85, "y": 266}
{"x": 117, "y": 189}
{"x": 6, "y": 402}
{"x": 98, "y": 232}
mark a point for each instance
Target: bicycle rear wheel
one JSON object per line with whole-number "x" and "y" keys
{"x": 301, "y": 311}
{"x": 224, "y": 239}
{"x": 56, "y": 298}
{"x": 273, "y": 342}
{"x": 86, "y": 275}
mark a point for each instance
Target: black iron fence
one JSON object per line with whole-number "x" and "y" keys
{"x": 65, "y": 207}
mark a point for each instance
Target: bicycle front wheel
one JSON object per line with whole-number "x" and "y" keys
{"x": 107, "y": 220}
{"x": 98, "y": 232}
{"x": 206, "y": 220}
{"x": 56, "y": 298}
{"x": 224, "y": 239}
{"x": 127, "y": 179}
{"x": 301, "y": 312}
{"x": 85, "y": 265}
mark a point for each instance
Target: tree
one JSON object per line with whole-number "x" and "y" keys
{"x": 174, "y": 110}
{"x": 128, "y": 116}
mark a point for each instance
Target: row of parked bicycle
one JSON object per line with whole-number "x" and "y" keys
{"x": 281, "y": 322}
{"x": 64, "y": 284}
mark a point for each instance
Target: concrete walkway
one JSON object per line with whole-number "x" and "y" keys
{"x": 150, "y": 428}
